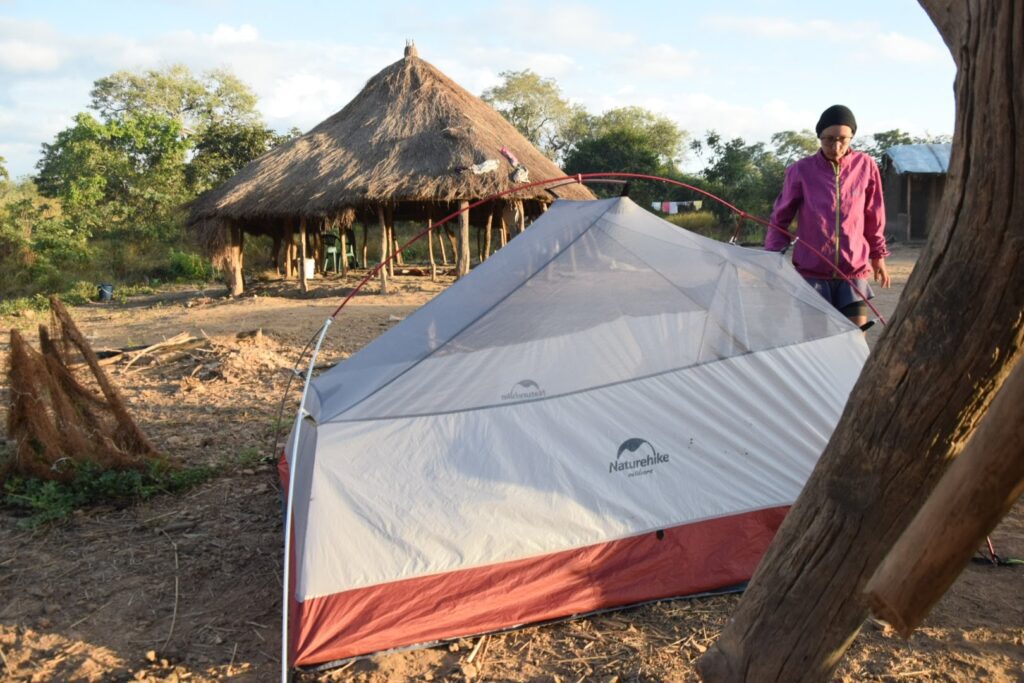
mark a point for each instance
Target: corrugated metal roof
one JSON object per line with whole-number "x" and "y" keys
{"x": 925, "y": 158}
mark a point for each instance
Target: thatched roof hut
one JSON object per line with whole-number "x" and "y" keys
{"x": 412, "y": 145}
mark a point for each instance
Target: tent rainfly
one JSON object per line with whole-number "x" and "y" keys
{"x": 412, "y": 145}
{"x": 610, "y": 410}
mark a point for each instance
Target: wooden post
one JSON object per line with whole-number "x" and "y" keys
{"x": 488, "y": 229}
{"x": 502, "y": 226}
{"x": 366, "y": 249}
{"x": 440, "y": 242}
{"x": 452, "y": 242}
{"x": 289, "y": 247}
{"x": 276, "y": 252}
{"x": 303, "y": 282}
{"x": 909, "y": 233}
{"x": 234, "y": 265}
{"x": 383, "y": 249}
{"x": 463, "y": 255}
{"x": 976, "y": 492}
{"x": 923, "y": 390}
{"x": 343, "y": 245}
{"x": 430, "y": 243}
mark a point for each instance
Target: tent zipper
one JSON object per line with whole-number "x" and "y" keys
{"x": 839, "y": 201}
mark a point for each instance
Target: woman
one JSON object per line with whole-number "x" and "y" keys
{"x": 836, "y": 197}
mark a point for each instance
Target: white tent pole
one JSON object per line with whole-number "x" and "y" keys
{"x": 292, "y": 462}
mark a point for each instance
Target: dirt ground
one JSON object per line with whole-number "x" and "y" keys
{"x": 188, "y": 587}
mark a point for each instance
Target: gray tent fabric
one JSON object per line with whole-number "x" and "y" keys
{"x": 604, "y": 375}
{"x": 605, "y": 283}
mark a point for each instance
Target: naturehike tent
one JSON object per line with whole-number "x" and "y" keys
{"x": 609, "y": 410}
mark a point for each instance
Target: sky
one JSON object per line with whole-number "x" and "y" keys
{"x": 744, "y": 68}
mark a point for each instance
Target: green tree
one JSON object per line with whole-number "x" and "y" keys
{"x": 117, "y": 177}
{"x": 792, "y": 145}
{"x": 628, "y": 140}
{"x": 748, "y": 176}
{"x": 877, "y": 144}
{"x": 224, "y": 147}
{"x": 4, "y": 175}
{"x": 658, "y": 133}
{"x": 535, "y": 106}
{"x": 174, "y": 92}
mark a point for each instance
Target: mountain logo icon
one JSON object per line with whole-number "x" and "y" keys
{"x": 637, "y": 457}
{"x": 522, "y": 390}
{"x": 634, "y": 445}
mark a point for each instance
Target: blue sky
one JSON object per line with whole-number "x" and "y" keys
{"x": 744, "y": 68}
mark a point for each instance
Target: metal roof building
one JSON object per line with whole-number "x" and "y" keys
{"x": 913, "y": 178}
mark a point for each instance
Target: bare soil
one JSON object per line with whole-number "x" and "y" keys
{"x": 188, "y": 587}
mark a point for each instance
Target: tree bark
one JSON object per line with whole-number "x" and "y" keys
{"x": 463, "y": 255}
{"x": 955, "y": 337}
{"x": 978, "y": 490}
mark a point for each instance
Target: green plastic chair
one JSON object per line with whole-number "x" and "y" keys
{"x": 332, "y": 251}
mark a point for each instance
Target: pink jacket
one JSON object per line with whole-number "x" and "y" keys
{"x": 809, "y": 193}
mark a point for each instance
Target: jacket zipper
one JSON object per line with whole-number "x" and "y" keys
{"x": 835, "y": 167}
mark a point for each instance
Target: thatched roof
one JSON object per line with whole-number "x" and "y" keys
{"x": 411, "y": 135}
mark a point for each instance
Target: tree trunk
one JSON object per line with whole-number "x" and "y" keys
{"x": 955, "y": 337}
{"x": 463, "y": 255}
{"x": 978, "y": 490}
{"x": 383, "y": 249}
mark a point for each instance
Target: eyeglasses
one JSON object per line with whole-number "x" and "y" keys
{"x": 829, "y": 140}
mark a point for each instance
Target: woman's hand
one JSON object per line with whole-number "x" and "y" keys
{"x": 881, "y": 274}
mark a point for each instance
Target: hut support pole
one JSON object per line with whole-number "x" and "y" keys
{"x": 909, "y": 233}
{"x": 343, "y": 241}
{"x": 452, "y": 242}
{"x": 235, "y": 283}
{"x": 488, "y": 230}
{"x": 366, "y": 246}
{"x": 276, "y": 253}
{"x": 289, "y": 248}
{"x": 389, "y": 212}
{"x": 383, "y": 249}
{"x": 430, "y": 243}
{"x": 976, "y": 492}
{"x": 502, "y": 227}
{"x": 440, "y": 242}
{"x": 303, "y": 282}
{"x": 462, "y": 262}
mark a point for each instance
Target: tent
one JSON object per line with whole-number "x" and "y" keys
{"x": 610, "y": 410}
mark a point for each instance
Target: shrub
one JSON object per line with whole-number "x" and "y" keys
{"x": 188, "y": 267}
{"x": 47, "y": 501}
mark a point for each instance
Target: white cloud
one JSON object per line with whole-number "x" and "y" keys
{"x": 657, "y": 62}
{"x": 228, "y": 35}
{"x": 304, "y": 98}
{"x": 906, "y": 49}
{"x": 22, "y": 56}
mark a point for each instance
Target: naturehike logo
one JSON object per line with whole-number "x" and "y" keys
{"x": 637, "y": 457}
{"x": 522, "y": 390}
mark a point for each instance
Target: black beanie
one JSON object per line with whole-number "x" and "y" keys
{"x": 836, "y": 115}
